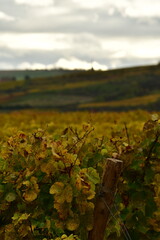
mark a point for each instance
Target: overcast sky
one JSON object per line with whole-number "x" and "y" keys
{"x": 75, "y": 33}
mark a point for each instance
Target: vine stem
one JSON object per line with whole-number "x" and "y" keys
{"x": 152, "y": 147}
{"x": 127, "y": 134}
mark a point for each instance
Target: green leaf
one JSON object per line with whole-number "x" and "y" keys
{"x": 16, "y": 216}
{"x": 149, "y": 176}
{"x": 143, "y": 229}
{"x": 150, "y": 206}
{"x": 1, "y": 188}
{"x": 10, "y": 197}
{"x": 92, "y": 175}
{"x": 136, "y": 164}
{"x": 3, "y": 164}
{"x": 20, "y": 217}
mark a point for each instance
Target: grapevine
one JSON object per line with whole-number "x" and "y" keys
{"x": 50, "y": 175}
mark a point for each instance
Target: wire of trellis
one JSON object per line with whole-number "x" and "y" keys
{"x": 124, "y": 229}
{"x": 124, "y": 226}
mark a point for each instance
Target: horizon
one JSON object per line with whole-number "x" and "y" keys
{"x": 79, "y": 69}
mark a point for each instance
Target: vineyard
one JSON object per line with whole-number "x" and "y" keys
{"x": 112, "y": 90}
{"x": 51, "y": 170}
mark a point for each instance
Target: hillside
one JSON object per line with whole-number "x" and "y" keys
{"x": 115, "y": 90}
{"x": 25, "y": 74}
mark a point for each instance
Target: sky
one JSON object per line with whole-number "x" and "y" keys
{"x": 81, "y": 34}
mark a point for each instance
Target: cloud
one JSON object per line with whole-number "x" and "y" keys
{"x": 6, "y": 66}
{"x": 91, "y": 4}
{"x": 143, "y": 8}
{"x": 68, "y": 50}
{"x": 34, "y": 41}
{"x": 5, "y": 17}
{"x": 74, "y": 63}
{"x": 132, "y": 47}
{"x": 134, "y": 8}
{"x": 71, "y": 64}
{"x": 52, "y": 11}
{"x": 35, "y": 3}
{"x": 33, "y": 66}
{"x": 114, "y": 18}
{"x": 49, "y": 32}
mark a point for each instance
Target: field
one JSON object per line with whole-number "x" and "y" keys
{"x": 113, "y": 90}
{"x": 51, "y": 166}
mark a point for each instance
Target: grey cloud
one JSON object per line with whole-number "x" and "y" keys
{"x": 87, "y": 28}
{"x": 15, "y": 58}
{"x": 78, "y": 20}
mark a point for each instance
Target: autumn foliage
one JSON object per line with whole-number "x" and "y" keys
{"x": 49, "y": 177}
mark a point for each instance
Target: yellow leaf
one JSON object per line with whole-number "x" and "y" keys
{"x": 33, "y": 180}
{"x": 62, "y": 210}
{"x": 30, "y": 195}
{"x": 24, "y": 216}
{"x": 62, "y": 193}
{"x": 56, "y": 188}
{"x": 59, "y": 224}
{"x": 72, "y": 224}
{"x": 28, "y": 172}
{"x": 41, "y": 155}
{"x": 90, "y": 206}
{"x": 68, "y": 194}
{"x": 27, "y": 183}
{"x": 48, "y": 224}
{"x": 60, "y": 198}
{"x": 79, "y": 183}
{"x": 64, "y": 236}
{"x": 154, "y": 117}
{"x": 90, "y": 194}
{"x": 48, "y": 168}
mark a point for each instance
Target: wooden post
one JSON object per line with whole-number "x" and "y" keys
{"x": 105, "y": 199}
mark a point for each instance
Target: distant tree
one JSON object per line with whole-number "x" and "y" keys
{"x": 27, "y": 77}
{"x": 14, "y": 78}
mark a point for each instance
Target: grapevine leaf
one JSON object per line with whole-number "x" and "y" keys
{"x": 68, "y": 193}
{"x": 20, "y": 217}
{"x": 56, "y": 188}
{"x": 72, "y": 224}
{"x": 92, "y": 175}
{"x": 30, "y": 195}
{"x": 10, "y": 197}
